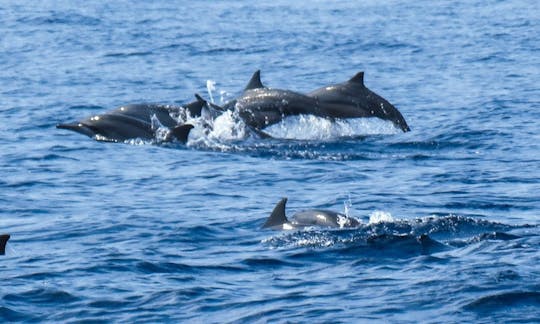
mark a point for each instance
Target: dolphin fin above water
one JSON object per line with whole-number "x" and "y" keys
{"x": 3, "y": 241}
{"x": 180, "y": 133}
{"x": 255, "y": 81}
{"x": 358, "y": 78}
{"x": 277, "y": 218}
{"x": 209, "y": 109}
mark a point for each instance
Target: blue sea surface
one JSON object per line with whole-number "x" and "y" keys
{"x": 147, "y": 232}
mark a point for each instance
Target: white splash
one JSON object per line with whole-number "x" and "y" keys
{"x": 309, "y": 127}
{"x": 225, "y": 128}
{"x": 160, "y": 132}
{"x": 379, "y": 216}
{"x": 343, "y": 221}
{"x": 223, "y": 96}
{"x": 228, "y": 126}
{"x": 210, "y": 86}
{"x": 347, "y": 206}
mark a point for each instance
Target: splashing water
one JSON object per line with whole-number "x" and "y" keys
{"x": 309, "y": 127}
{"x": 217, "y": 133}
{"x": 211, "y": 86}
{"x": 229, "y": 127}
{"x": 379, "y": 216}
{"x": 347, "y": 206}
{"x": 160, "y": 132}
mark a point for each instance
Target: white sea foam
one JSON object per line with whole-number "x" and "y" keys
{"x": 309, "y": 127}
{"x": 229, "y": 127}
{"x": 160, "y": 132}
{"x": 380, "y": 216}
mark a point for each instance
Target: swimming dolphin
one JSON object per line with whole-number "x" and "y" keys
{"x": 135, "y": 121}
{"x": 313, "y": 217}
{"x": 351, "y": 99}
{"x": 260, "y": 106}
{"x": 3, "y": 241}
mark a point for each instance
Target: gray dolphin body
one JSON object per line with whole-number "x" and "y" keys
{"x": 3, "y": 241}
{"x": 135, "y": 121}
{"x": 313, "y": 217}
{"x": 352, "y": 99}
{"x": 260, "y": 106}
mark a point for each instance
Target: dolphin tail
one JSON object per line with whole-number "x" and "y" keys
{"x": 79, "y": 128}
{"x": 3, "y": 240}
{"x": 277, "y": 218}
{"x": 180, "y": 133}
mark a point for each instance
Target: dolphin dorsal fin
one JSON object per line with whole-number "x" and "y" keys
{"x": 255, "y": 81}
{"x": 200, "y": 99}
{"x": 358, "y": 78}
{"x": 181, "y": 133}
{"x": 208, "y": 103}
{"x": 3, "y": 240}
{"x": 277, "y": 218}
{"x": 205, "y": 111}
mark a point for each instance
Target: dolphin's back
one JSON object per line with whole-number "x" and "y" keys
{"x": 262, "y": 107}
{"x": 323, "y": 218}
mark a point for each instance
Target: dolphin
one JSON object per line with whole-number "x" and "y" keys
{"x": 352, "y": 99}
{"x": 260, "y": 106}
{"x": 135, "y": 121}
{"x": 313, "y": 217}
{"x": 3, "y": 241}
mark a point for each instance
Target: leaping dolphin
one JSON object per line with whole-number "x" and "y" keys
{"x": 135, "y": 121}
{"x": 3, "y": 241}
{"x": 352, "y": 99}
{"x": 313, "y": 217}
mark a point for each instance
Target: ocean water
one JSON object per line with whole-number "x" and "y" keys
{"x": 149, "y": 232}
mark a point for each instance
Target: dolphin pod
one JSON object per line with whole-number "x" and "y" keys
{"x": 3, "y": 241}
{"x": 313, "y": 217}
{"x": 258, "y": 106}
